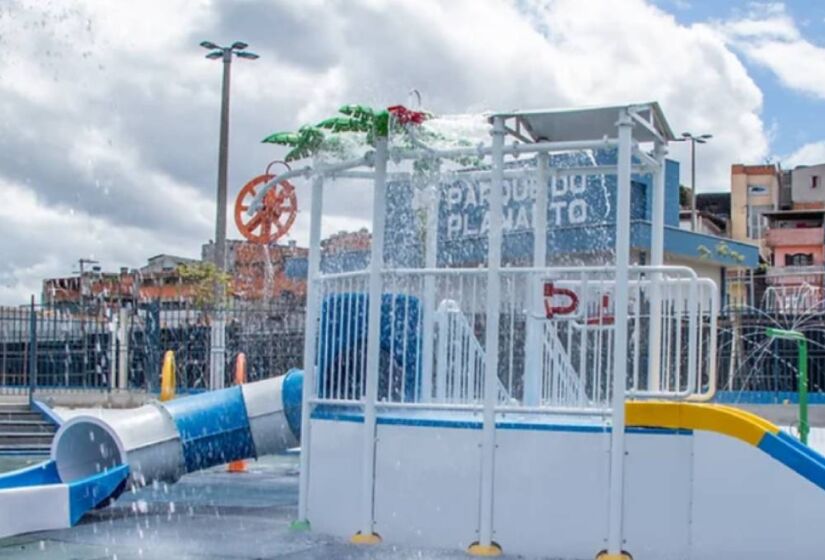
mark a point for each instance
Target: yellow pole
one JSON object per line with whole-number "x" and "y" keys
{"x": 167, "y": 377}
{"x": 240, "y": 378}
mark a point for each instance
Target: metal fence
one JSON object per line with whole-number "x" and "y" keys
{"x": 754, "y": 367}
{"x": 58, "y": 349}
{"x": 433, "y": 331}
{"x": 43, "y": 347}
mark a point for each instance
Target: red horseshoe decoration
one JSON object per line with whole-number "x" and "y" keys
{"x": 276, "y": 214}
{"x": 550, "y": 310}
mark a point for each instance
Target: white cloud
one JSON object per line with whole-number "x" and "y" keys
{"x": 50, "y": 239}
{"x": 110, "y": 112}
{"x": 767, "y": 35}
{"x": 809, "y": 154}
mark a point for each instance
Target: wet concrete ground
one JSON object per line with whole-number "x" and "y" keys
{"x": 211, "y": 515}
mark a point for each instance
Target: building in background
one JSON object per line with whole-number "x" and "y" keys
{"x": 581, "y": 217}
{"x": 259, "y": 272}
{"x": 706, "y": 223}
{"x": 754, "y": 191}
{"x": 796, "y": 238}
{"x": 158, "y": 280}
{"x": 346, "y": 250}
{"x": 782, "y": 211}
{"x": 807, "y": 189}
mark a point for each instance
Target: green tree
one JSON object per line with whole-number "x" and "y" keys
{"x": 203, "y": 279}
{"x": 684, "y": 197}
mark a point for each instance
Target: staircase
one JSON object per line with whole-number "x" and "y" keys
{"x": 24, "y": 431}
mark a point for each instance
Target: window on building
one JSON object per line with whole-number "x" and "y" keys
{"x": 757, "y": 189}
{"x": 756, "y": 220}
{"x": 799, "y": 259}
{"x": 814, "y": 181}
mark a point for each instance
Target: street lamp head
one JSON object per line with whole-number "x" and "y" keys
{"x": 239, "y": 45}
{"x": 687, "y": 135}
{"x": 209, "y": 45}
{"x": 214, "y": 55}
{"x": 248, "y": 55}
{"x": 706, "y": 136}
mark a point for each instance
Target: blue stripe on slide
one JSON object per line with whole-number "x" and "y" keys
{"x": 213, "y": 427}
{"x": 292, "y": 394}
{"x": 36, "y": 475}
{"x": 795, "y": 459}
{"x": 801, "y": 447}
{"x": 88, "y": 493}
{"x": 342, "y": 414}
{"x": 45, "y": 410}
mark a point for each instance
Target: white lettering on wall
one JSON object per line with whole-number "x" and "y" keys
{"x": 467, "y": 217}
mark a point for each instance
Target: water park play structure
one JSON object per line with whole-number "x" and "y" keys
{"x": 595, "y": 437}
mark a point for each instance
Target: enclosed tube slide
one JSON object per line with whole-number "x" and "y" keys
{"x": 94, "y": 457}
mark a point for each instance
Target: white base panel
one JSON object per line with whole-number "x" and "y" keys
{"x": 699, "y": 496}
{"x": 551, "y": 492}
{"x": 421, "y": 500}
{"x": 335, "y": 477}
{"x": 658, "y": 479}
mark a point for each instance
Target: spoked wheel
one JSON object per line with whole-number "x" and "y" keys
{"x": 276, "y": 214}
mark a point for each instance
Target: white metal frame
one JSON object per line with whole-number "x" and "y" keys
{"x": 648, "y": 120}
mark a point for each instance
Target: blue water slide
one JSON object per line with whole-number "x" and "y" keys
{"x": 95, "y": 457}
{"x": 342, "y": 345}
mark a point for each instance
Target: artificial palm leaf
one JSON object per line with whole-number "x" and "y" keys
{"x": 310, "y": 139}
{"x": 343, "y": 124}
{"x": 283, "y": 138}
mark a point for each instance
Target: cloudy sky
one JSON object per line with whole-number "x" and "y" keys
{"x": 109, "y": 112}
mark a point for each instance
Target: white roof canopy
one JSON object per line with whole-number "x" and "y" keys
{"x": 563, "y": 125}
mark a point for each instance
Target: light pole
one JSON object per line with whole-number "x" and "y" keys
{"x": 693, "y": 139}
{"x": 225, "y": 54}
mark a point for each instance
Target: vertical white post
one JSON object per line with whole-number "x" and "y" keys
{"x": 534, "y": 349}
{"x": 488, "y": 443}
{"x": 617, "y": 447}
{"x": 441, "y": 370}
{"x": 430, "y": 263}
{"x": 123, "y": 350}
{"x": 113, "y": 332}
{"x": 310, "y": 331}
{"x": 657, "y": 251}
{"x": 217, "y": 352}
{"x": 379, "y": 198}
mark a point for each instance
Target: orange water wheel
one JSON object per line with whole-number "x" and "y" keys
{"x": 275, "y": 215}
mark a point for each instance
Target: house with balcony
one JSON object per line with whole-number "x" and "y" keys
{"x": 796, "y": 239}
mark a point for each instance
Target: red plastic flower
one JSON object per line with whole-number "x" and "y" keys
{"x": 406, "y": 116}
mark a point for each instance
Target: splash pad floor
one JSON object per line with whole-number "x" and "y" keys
{"x": 211, "y": 515}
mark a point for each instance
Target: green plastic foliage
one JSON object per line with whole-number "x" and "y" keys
{"x": 283, "y": 138}
{"x": 304, "y": 143}
{"x": 382, "y": 124}
{"x": 344, "y": 124}
{"x": 356, "y": 118}
{"x": 310, "y": 142}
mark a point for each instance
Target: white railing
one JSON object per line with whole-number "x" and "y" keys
{"x": 556, "y": 337}
{"x": 459, "y": 359}
{"x": 561, "y": 384}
